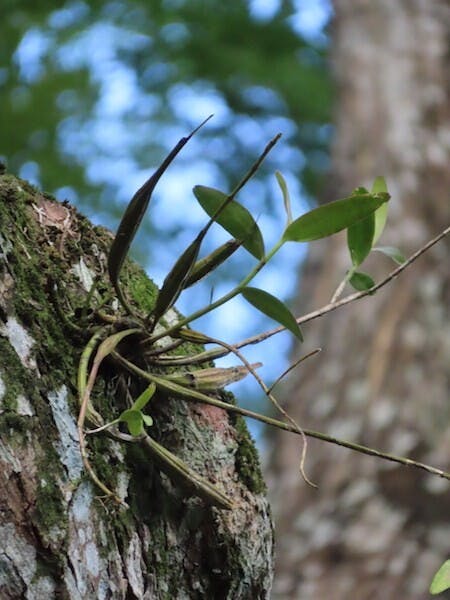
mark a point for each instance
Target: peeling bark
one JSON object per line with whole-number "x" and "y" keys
{"x": 372, "y": 529}
{"x": 59, "y": 539}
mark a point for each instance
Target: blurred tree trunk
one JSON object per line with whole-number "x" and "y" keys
{"x": 374, "y": 529}
{"x": 58, "y": 537}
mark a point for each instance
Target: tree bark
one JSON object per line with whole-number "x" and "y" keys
{"x": 58, "y": 537}
{"x": 375, "y": 529}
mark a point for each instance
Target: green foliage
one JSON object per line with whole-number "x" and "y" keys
{"x": 334, "y": 216}
{"x": 234, "y": 218}
{"x": 134, "y": 417}
{"x": 441, "y": 580}
{"x": 393, "y": 253}
{"x": 52, "y": 102}
{"x": 379, "y": 186}
{"x": 361, "y": 281}
{"x": 273, "y": 308}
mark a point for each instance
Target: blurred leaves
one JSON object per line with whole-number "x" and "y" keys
{"x": 60, "y": 101}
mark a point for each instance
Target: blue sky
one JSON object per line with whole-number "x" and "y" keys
{"x": 102, "y": 144}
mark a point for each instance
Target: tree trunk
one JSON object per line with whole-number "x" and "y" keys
{"x": 58, "y": 537}
{"x": 375, "y": 529}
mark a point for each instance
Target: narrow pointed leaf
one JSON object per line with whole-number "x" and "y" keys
{"x": 175, "y": 281}
{"x": 441, "y": 580}
{"x": 108, "y": 345}
{"x": 361, "y": 281}
{"x": 333, "y": 217}
{"x": 286, "y": 197}
{"x": 392, "y": 252}
{"x": 379, "y": 186}
{"x": 359, "y": 239}
{"x": 134, "y": 421}
{"x": 206, "y": 265}
{"x": 144, "y": 398}
{"x": 234, "y": 218}
{"x": 273, "y": 308}
{"x": 134, "y": 214}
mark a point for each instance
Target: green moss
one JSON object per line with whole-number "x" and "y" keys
{"x": 142, "y": 290}
{"x": 246, "y": 458}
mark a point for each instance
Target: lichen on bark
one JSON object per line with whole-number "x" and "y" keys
{"x": 61, "y": 538}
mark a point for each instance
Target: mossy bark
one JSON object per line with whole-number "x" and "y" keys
{"x": 59, "y": 538}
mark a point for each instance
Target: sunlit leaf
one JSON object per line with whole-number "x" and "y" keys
{"x": 361, "y": 281}
{"x": 392, "y": 252}
{"x": 234, "y": 218}
{"x": 144, "y": 398}
{"x": 175, "y": 280}
{"x": 333, "y": 217}
{"x": 441, "y": 580}
{"x": 273, "y": 308}
{"x": 286, "y": 197}
{"x": 206, "y": 265}
{"x": 379, "y": 186}
{"x": 134, "y": 421}
{"x": 148, "y": 421}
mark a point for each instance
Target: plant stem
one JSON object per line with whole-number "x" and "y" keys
{"x": 225, "y": 298}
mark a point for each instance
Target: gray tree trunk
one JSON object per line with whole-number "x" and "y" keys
{"x": 376, "y": 530}
{"x": 58, "y": 537}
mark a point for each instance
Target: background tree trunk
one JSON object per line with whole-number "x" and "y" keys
{"x": 58, "y": 538}
{"x": 375, "y": 529}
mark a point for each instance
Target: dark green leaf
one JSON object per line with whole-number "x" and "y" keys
{"x": 379, "y": 186}
{"x": 273, "y": 308}
{"x": 234, "y": 218}
{"x": 333, "y": 217}
{"x": 134, "y": 214}
{"x": 361, "y": 281}
{"x": 206, "y": 265}
{"x": 359, "y": 239}
{"x": 175, "y": 281}
{"x": 134, "y": 421}
{"x": 441, "y": 580}
{"x": 393, "y": 253}
{"x": 143, "y": 399}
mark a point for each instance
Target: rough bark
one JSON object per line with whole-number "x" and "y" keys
{"x": 58, "y": 537}
{"x": 374, "y": 529}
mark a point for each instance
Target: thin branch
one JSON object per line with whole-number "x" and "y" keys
{"x": 275, "y": 402}
{"x": 334, "y": 305}
{"x": 293, "y": 366}
{"x": 192, "y": 395}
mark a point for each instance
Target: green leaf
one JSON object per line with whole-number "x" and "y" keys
{"x": 333, "y": 217}
{"x": 359, "y": 239}
{"x": 134, "y": 214}
{"x": 148, "y": 421}
{"x": 286, "y": 197}
{"x": 234, "y": 218}
{"x": 441, "y": 580}
{"x": 108, "y": 345}
{"x": 273, "y": 308}
{"x": 206, "y": 265}
{"x": 175, "y": 281}
{"x": 379, "y": 186}
{"x": 393, "y": 253}
{"x": 143, "y": 399}
{"x": 361, "y": 281}
{"x": 134, "y": 421}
